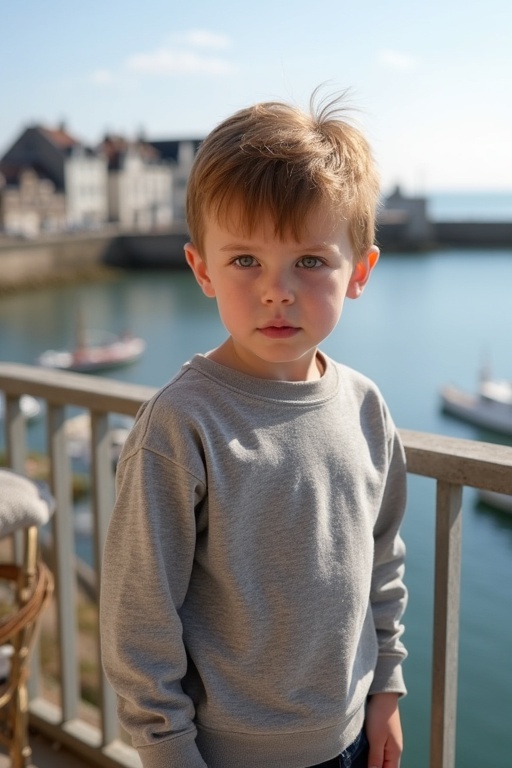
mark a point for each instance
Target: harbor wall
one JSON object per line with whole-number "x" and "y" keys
{"x": 25, "y": 264}
{"x": 397, "y": 236}
{"x": 60, "y": 259}
{"x": 474, "y": 233}
{"x": 32, "y": 263}
{"x": 158, "y": 250}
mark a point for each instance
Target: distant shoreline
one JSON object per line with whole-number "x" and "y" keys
{"x": 31, "y": 264}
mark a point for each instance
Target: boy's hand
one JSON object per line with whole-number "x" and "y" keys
{"x": 384, "y": 731}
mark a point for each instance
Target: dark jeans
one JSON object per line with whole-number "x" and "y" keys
{"x": 354, "y": 756}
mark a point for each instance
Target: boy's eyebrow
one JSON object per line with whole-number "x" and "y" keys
{"x": 232, "y": 247}
{"x": 236, "y": 247}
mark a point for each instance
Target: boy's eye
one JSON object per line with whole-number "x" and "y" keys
{"x": 245, "y": 261}
{"x": 309, "y": 262}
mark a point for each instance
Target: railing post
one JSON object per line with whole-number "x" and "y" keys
{"x": 15, "y": 434}
{"x": 446, "y": 625}
{"x": 102, "y": 476}
{"x": 62, "y": 524}
{"x": 16, "y": 444}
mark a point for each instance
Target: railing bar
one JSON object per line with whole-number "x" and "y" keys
{"x": 457, "y": 461}
{"x": 102, "y": 502}
{"x": 64, "y": 388}
{"x": 446, "y": 625}
{"x": 81, "y": 738}
{"x": 64, "y": 559}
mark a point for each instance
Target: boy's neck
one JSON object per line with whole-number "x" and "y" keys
{"x": 302, "y": 370}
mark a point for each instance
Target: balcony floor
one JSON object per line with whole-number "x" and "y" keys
{"x": 47, "y": 755}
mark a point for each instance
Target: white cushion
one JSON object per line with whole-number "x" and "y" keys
{"x": 23, "y": 502}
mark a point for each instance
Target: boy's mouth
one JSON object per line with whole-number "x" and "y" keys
{"x": 279, "y": 331}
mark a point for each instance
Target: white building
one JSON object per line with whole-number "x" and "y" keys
{"x": 180, "y": 154}
{"x": 140, "y": 185}
{"x": 85, "y": 184}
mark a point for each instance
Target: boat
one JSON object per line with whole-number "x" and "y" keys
{"x": 490, "y": 408}
{"x": 501, "y": 501}
{"x": 90, "y": 356}
{"x": 30, "y": 407}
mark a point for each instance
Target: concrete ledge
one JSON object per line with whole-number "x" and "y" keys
{"x": 31, "y": 264}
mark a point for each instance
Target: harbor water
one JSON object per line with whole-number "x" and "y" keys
{"x": 425, "y": 320}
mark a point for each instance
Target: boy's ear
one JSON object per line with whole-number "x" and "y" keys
{"x": 361, "y": 272}
{"x": 199, "y": 268}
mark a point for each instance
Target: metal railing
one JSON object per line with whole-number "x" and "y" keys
{"x": 453, "y": 463}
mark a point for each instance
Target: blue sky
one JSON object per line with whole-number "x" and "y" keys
{"x": 431, "y": 80}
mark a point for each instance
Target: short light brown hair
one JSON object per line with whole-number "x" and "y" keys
{"x": 273, "y": 158}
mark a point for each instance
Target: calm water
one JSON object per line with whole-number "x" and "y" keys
{"x": 423, "y": 321}
{"x": 467, "y": 206}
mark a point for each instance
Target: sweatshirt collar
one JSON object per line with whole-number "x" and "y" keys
{"x": 307, "y": 392}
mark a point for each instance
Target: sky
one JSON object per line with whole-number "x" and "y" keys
{"x": 429, "y": 82}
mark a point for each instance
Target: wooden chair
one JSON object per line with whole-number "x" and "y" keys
{"x": 26, "y": 589}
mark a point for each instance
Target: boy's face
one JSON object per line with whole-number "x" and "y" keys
{"x": 278, "y": 299}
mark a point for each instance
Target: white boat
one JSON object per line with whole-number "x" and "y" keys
{"x": 111, "y": 352}
{"x": 490, "y": 408}
{"x": 30, "y": 407}
{"x": 501, "y": 501}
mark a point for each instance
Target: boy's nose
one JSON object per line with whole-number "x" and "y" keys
{"x": 278, "y": 291}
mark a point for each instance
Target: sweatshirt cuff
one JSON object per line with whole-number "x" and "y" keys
{"x": 388, "y": 677}
{"x": 180, "y": 752}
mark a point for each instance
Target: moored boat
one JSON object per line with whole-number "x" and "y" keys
{"x": 490, "y": 408}
{"x": 501, "y": 501}
{"x": 91, "y": 357}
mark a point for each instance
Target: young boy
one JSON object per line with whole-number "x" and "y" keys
{"x": 252, "y": 583}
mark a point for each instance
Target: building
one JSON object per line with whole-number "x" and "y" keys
{"x": 65, "y": 168}
{"x": 29, "y": 203}
{"x": 50, "y": 181}
{"x": 403, "y": 222}
{"x": 180, "y": 154}
{"x": 140, "y": 184}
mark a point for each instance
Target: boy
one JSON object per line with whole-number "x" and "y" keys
{"x": 252, "y": 583}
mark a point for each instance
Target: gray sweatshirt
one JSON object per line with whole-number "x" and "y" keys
{"x": 252, "y": 585}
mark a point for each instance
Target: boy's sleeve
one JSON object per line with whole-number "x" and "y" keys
{"x": 146, "y": 570}
{"x": 388, "y": 593}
